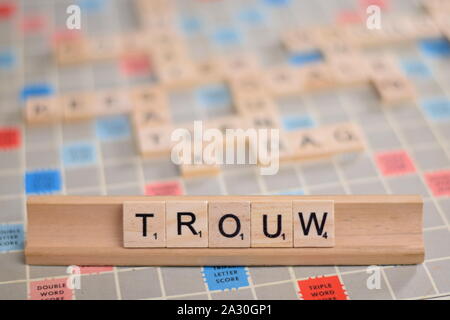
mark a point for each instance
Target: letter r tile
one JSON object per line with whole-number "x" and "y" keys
{"x": 144, "y": 224}
{"x": 313, "y": 223}
{"x": 187, "y": 223}
{"x": 271, "y": 224}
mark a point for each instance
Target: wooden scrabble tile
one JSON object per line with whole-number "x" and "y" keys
{"x": 134, "y": 42}
{"x": 395, "y": 89}
{"x": 187, "y": 224}
{"x": 271, "y": 224}
{"x": 208, "y": 71}
{"x": 299, "y": 40}
{"x": 162, "y": 38}
{"x": 324, "y": 35}
{"x": 151, "y": 116}
{"x": 349, "y": 70}
{"x": 150, "y": 106}
{"x": 360, "y": 36}
{"x": 226, "y": 123}
{"x": 155, "y": 5}
{"x": 229, "y": 224}
{"x": 249, "y": 84}
{"x": 275, "y": 151}
{"x": 343, "y": 137}
{"x": 325, "y": 141}
{"x": 317, "y": 77}
{"x": 381, "y": 66}
{"x": 405, "y": 28}
{"x": 433, "y": 6}
{"x": 154, "y": 141}
{"x": 283, "y": 81}
{"x": 160, "y": 19}
{"x": 267, "y": 119}
{"x": 42, "y": 110}
{"x": 71, "y": 51}
{"x": 168, "y": 51}
{"x": 285, "y": 150}
{"x": 248, "y": 105}
{"x": 424, "y": 27}
{"x": 313, "y": 222}
{"x": 399, "y": 30}
{"x": 396, "y": 31}
{"x": 78, "y": 106}
{"x": 103, "y": 48}
{"x": 143, "y": 97}
{"x": 163, "y": 21}
{"x": 144, "y": 224}
{"x": 109, "y": 102}
{"x": 440, "y": 21}
{"x": 307, "y": 144}
{"x": 154, "y": 14}
{"x": 204, "y": 160}
{"x": 338, "y": 49}
{"x": 239, "y": 64}
{"x": 145, "y": 6}
{"x": 354, "y": 34}
{"x": 177, "y": 74}
{"x": 199, "y": 170}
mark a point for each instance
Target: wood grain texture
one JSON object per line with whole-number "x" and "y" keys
{"x": 42, "y": 110}
{"x": 111, "y": 102}
{"x": 78, "y": 106}
{"x": 149, "y": 97}
{"x": 325, "y": 141}
{"x": 151, "y": 116}
{"x": 283, "y": 81}
{"x": 199, "y": 170}
{"x": 235, "y": 224}
{"x": 134, "y": 220}
{"x": 370, "y": 229}
{"x": 317, "y": 77}
{"x": 320, "y": 232}
{"x": 72, "y": 52}
{"x": 394, "y": 89}
{"x": 271, "y": 224}
{"x": 187, "y": 224}
{"x": 154, "y": 141}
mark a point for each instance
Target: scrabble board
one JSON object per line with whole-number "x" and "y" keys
{"x": 407, "y": 150}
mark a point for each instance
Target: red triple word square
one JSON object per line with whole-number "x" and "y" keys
{"x": 393, "y": 163}
{"x": 167, "y": 188}
{"x": 439, "y": 182}
{"x": 322, "y": 288}
{"x": 7, "y": 9}
{"x": 9, "y": 138}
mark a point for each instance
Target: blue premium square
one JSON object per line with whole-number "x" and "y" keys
{"x": 114, "y": 127}
{"x": 78, "y": 154}
{"x": 221, "y": 278}
{"x": 42, "y": 182}
{"x": 11, "y": 237}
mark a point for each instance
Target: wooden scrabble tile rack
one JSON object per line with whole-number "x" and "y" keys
{"x": 89, "y": 230}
